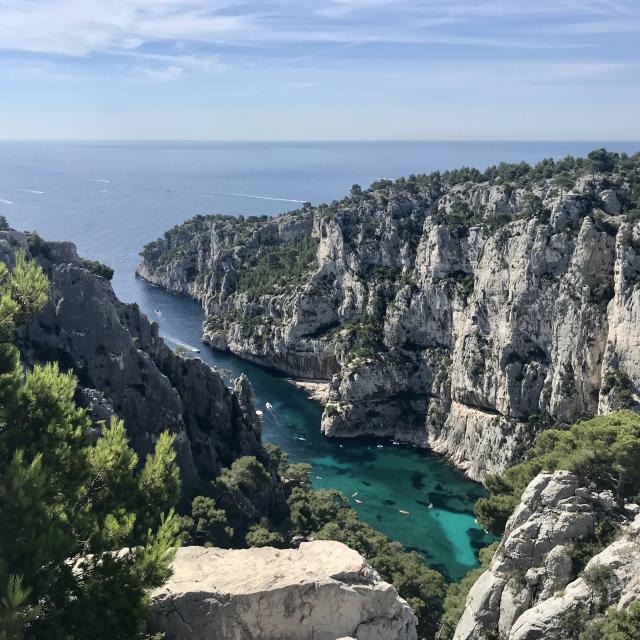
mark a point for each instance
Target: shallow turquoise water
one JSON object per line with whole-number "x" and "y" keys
{"x": 386, "y": 479}
{"x": 112, "y": 198}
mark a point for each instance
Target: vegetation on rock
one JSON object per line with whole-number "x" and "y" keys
{"x": 605, "y": 451}
{"x": 616, "y": 624}
{"x": 84, "y": 531}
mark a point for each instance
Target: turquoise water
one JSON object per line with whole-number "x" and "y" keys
{"x": 386, "y": 479}
{"x": 112, "y": 198}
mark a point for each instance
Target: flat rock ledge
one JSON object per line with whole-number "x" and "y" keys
{"x": 321, "y": 591}
{"x": 317, "y": 390}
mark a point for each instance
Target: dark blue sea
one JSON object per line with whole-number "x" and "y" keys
{"x": 112, "y": 198}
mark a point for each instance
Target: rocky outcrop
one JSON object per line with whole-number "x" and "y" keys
{"x": 323, "y": 590}
{"x": 459, "y": 314}
{"x": 530, "y": 591}
{"x": 124, "y": 368}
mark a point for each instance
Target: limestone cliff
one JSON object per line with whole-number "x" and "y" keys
{"x": 461, "y": 311}
{"x": 124, "y": 368}
{"x": 531, "y": 590}
{"x": 323, "y": 590}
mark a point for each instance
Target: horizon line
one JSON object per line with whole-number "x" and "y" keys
{"x": 320, "y": 140}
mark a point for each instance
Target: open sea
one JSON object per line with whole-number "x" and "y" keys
{"x": 111, "y": 198}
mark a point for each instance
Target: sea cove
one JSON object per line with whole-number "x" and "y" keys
{"x": 112, "y": 199}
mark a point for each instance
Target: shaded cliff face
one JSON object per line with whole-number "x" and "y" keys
{"x": 531, "y": 590}
{"x": 460, "y": 315}
{"x": 125, "y": 369}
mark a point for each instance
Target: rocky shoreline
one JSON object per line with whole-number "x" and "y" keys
{"x": 318, "y": 391}
{"x": 460, "y": 312}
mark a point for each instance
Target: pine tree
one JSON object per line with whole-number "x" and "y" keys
{"x": 83, "y": 533}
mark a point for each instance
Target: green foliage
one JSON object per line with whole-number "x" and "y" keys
{"x": 361, "y": 338}
{"x": 262, "y": 535}
{"x": 621, "y": 385}
{"x": 457, "y": 593}
{"x": 207, "y": 526}
{"x": 587, "y": 547}
{"x": 326, "y": 515}
{"x": 454, "y": 604}
{"x": 280, "y": 266}
{"x": 66, "y": 503}
{"x": 183, "y": 352}
{"x": 15, "y": 611}
{"x": 604, "y": 451}
{"x": 241, "y": 490}
{"x": 98, "y": 268}
{"x": 27, "y": 287}
{"x": 616, "y": 624}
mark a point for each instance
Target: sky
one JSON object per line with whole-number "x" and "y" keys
{"x": 320, "y": 69}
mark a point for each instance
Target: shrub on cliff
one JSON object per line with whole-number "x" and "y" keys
{"x": 326, "y": 515}
{"x": 457, "y": 593}
{"x": 616, "y": 624}
{"x": 605, "y": 451}
{"x": 68, "y": 505}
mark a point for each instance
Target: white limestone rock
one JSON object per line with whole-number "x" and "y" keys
{"x": 530, "y": 590}
{"x": 322, "y": 591}
{"x": 485, "y": 329}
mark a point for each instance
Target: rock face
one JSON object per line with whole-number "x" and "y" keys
{"x": 125, "y": 369}
{"x": 323, "y": 590}
{"x": 530, "y": 591}
{"x": 458, "y": 315}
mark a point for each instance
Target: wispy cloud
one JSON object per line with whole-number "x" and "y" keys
{"x": 373, "y": 56}
{"x": 82, "y": 27}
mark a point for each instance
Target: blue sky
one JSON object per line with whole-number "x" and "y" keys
{"x": 320, "y": 69}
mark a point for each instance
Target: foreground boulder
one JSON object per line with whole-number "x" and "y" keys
{"x": 531, "y": 591}
{"x": 323, "y": 590}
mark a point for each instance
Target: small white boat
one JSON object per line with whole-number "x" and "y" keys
{"x": 403, "y": 512}
{"x": 259, "y": 413}
{"x": 354, "y": 494}
{"x": 431, "y": 505}
{"x": 358, "y": 501}
{"x": 340, "y": 446}
{"x": 269, "y": 406}
{"x": 300, "y": 438}
{"x": 395, "y": 443}
{"x": 380, "y": 446}
{"x": 318, "y": 477}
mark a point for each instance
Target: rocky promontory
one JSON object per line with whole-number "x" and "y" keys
{"x": 462, "y": 311}
{"x": 323, "y": 590}
{"x": 533, "y": 589}
{"x": 125, "y": 369}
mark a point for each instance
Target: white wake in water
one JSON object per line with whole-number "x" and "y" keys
{"x": 36, "y": 191}
{"x": 6, "y": 201}
{"x": 183, "y": 344}
{"x": 246, "y": 195}
{"x": 100, "y": 180}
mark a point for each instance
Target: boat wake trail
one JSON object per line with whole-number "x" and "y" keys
{"x": 100, "y": 180}
{"x": 190, "y": 347}
{"x": 246, "y": 195}
{"x": 6, "y": 201}
{"x": 36, "y": 191}
{"x": 269, "y": 408}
